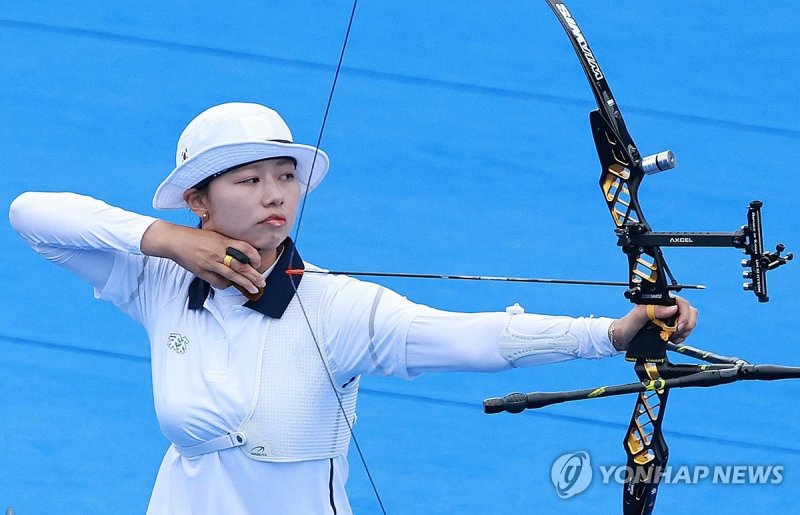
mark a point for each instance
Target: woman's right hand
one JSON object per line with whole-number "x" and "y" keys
{"x": 202, "y": 251}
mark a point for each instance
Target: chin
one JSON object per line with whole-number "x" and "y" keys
{"x": 268, "y": 244}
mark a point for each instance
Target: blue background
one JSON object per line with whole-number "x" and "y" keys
{"x": 459, "y": 143}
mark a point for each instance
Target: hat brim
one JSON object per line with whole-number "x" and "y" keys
{"x": 169, "y": 194}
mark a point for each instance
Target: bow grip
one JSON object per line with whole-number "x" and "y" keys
{"x": 650, "y": 343}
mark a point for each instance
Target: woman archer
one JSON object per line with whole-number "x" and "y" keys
{"x": 256, "y": 372}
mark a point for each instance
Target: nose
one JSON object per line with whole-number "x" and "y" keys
{"x": 271, "y": 192}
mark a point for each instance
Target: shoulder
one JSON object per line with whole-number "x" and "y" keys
{"x": 332, "y": 284}
{"x": 340, "y": 297}
{"x": 165, "y": 277}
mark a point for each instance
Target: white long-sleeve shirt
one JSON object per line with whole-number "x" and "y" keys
{"x": 204, "y": 381}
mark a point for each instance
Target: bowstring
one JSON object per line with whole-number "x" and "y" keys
{"x": 322, "y": 127}
{"x": 294, "y": 251}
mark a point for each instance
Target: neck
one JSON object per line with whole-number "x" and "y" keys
{"x": 268, "y": 257}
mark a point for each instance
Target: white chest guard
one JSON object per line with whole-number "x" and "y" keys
{"x": 295, "y": 414}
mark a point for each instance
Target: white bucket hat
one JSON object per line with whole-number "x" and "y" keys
{"x": 229, "y": 135}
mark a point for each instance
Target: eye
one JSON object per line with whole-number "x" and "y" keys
{"x": 250, "y": 180}
{"x": 289, "y": 176}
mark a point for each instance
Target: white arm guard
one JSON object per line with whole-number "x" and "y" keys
{"x": 527, "y": 350}
{"x": 440, "y": 341}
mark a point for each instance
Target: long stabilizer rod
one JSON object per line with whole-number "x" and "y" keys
{"x": 709, "y": 375}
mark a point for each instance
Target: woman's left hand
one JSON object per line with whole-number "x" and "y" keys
{"x": 626, "y": 327}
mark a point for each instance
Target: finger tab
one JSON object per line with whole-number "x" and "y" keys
{"x": 237, "y": 255}
{"x": 250, "y": 296}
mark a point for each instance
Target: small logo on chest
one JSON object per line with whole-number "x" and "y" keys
{"x": 178, "y": 343}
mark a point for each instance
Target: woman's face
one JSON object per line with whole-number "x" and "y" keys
{"x": 256, "y": 203}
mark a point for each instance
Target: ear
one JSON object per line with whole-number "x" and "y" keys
{"x": 197, "y": 200}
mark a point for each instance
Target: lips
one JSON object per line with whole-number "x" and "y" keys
{"x": 275, "y": 220}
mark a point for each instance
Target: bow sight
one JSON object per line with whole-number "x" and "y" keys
{"x": 650, "y": 282}
{"x": 635, "y": 238}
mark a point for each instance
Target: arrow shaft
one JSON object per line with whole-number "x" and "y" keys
{"x": 292, "y": 271}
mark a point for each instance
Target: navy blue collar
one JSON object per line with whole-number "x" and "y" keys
{"x": 278, "y": 292}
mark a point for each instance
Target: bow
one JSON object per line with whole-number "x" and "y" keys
{"x": 650, "y": 283}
